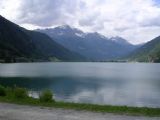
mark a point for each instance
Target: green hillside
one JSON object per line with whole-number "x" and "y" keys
{"x": 149, "y": 52}
{"x": 18, "y": 44}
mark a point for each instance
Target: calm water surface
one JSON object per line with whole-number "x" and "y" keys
{"x": 132, "y": 84}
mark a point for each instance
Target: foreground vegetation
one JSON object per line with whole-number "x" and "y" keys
{"x": 20, "y": 96}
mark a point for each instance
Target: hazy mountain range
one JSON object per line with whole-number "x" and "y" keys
{"x": 91, "y": 45}
{"x": 65, "y": 43}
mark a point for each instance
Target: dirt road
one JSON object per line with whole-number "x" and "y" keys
{"x": 21, "y": 112}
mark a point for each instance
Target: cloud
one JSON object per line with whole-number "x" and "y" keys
{"x": 141, "y": 34}
{"x": 10, "y": 9}
{"x": 153, "y": 21}
{"x": 47, "y": 13}
{"x": 136, "y": 20}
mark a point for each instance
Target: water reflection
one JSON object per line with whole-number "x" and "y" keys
{"x": 99, "y": 83}
{"x": 91, "y": 90}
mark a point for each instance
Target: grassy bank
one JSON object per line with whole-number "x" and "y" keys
{"x": 11, "y": 97}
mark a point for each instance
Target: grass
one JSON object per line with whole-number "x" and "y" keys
{"x": 138, "y": 111}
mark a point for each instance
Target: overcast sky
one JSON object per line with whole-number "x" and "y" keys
{"x": 135, "y": 20}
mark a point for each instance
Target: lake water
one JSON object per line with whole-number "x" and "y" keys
{"x": 132, "y": 84}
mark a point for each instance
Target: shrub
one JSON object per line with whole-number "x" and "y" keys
{"x": 2, "y": 91}
{"x": 9, "y": 91}
{"x": 20, "y": 93}
{"x": 46, "y": 96}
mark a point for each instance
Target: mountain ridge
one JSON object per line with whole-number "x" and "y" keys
{"x": 17, "y": 42}
{"x": 92, "y": 45}
{"x": 149, "y": 52}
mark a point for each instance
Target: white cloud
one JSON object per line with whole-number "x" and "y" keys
{"x": 10, "y": 9}
{"x": 141, "y": 34}
{"x": 136, "y": 20}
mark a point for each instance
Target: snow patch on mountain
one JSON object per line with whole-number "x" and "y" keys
{"x": 82, "y": 35}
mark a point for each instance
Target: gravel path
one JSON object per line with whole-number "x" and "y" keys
{"x": 21, "y": 112}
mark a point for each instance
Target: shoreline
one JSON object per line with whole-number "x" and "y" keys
{"x": 119, "y": 110}
{"x": 16, "y": 95}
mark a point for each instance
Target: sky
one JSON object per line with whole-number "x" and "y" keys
{"x": 138, "y": 21}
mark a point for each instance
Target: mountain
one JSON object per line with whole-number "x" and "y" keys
{"x": 92, "y": 45}
{"x": 19, "y": 44}
{"x": 120, "y": 41}
{"x": 149, "y": 52}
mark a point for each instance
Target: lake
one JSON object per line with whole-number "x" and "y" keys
{"x": 131, "y": 84}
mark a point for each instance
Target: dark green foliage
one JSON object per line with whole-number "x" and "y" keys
{"x": 2, "y": 91}
{"x": 46, "y": 96}
{"x": 9, "y": 92}
{"x": 20, "y": 45}
{"x": 20, "y": 93}
{"x": 149, "y": 52}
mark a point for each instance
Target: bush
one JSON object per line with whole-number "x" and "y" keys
{"x": 2, "y": 91}
{"x": 46, "y": 96}
{"x": 20, "y": 93}
{"x": 9, "y": 91}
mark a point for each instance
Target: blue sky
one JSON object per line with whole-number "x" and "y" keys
{"x": 135, "y": 20}
{"x": 157, "y": 1}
